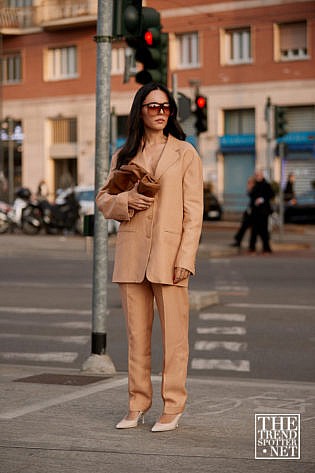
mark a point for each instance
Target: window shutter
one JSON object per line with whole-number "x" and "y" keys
{"x": 293, "y": 35}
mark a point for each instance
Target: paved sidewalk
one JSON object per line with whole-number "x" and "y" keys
{"x": 215, "y": 242}
{"x": 50, "y": 428}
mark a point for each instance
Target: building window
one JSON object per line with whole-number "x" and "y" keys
{"x": 187, "y": 50}
{"x": 239, "y": 122}
{"x": 291, "y": 41}
{"x": 64, "y": 130}
{"x": 18, "y": 3}
{"x": 62, "y": 63}
{"x": 11, "y": 68}
{"x": 237, "y": 46}
{"x": 118, "y": 61}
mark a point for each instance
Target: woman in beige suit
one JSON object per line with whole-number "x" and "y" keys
{"x": 156, "y": 248}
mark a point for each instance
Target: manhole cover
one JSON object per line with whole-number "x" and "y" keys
{"x": 64, "y": 379}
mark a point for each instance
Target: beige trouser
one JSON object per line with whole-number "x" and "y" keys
{"x": 173, "y": 307}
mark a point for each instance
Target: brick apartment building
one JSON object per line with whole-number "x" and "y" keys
{"x": 238, "y": 53}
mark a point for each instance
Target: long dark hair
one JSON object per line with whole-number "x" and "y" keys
{"x": 136, "y": 127}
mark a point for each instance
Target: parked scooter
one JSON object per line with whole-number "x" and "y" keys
{"x": 18, "y": 215}
{"x": 4, "y": 219}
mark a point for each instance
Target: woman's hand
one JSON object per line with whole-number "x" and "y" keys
{"x": 180, "y": 274}
{"x": 138, "y": 201}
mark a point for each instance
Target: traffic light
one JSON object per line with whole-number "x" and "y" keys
{"x": 127, "y": 18}
{"x": 201, "y": 113}
{"x": 141, "y": 28}
{"x": 151, "y": 48}
{"x": 280, "y": 122}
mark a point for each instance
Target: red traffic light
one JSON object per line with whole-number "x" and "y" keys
{"x": 148, "y": 38}
{"x": 201, "y": 101}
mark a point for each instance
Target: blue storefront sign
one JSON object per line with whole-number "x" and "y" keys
{"x": 299, "y": 141}
{"x": 237, "y": 143}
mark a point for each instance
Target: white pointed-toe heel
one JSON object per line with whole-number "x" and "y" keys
{"x": 129, "y": 423}
{"x": 163, "y": 427}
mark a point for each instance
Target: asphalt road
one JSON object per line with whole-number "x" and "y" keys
{"x": 263, "y": 327}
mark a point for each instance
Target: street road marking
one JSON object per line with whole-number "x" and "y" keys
{"x": 77, "y": 394}
{"x": 59, "y": 357}
{"x": 220, "y": 261}
{"x": 222, "y": 330}
{"x": 212, "y": 364}
{"x": 228, "y": 317}
{"x": 72, "y": 325}
{"x": 44, "y": 284}
{"x": 231, "y": 288}
{"x": 229, "y": 346}
{"x": 272, "y": 306}
{"x": 43, "y": 310}
{"x": 79, "y": 339}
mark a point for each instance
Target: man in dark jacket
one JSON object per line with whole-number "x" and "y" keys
{"x": 260, "y": 198}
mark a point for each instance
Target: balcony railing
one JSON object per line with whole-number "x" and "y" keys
{"x": 17, "y": 17}
{"x": 67, "y": 9}
{"x": 50, "y": 12}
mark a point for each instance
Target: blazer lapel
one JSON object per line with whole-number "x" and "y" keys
{"x": 169, "y": 156}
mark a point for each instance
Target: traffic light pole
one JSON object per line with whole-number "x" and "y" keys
{"x": 268, "y": 119}
{"x": 175, "y": 88}
{"x": 281, "y": 201}
{"x": 99, "y": 361}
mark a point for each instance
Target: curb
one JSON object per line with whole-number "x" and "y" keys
{"x": 200, "y": 299}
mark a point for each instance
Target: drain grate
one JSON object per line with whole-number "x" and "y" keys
{"x": 63, "y": 379}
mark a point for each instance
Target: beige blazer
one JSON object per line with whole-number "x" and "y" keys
{"x": 152, "y": 242}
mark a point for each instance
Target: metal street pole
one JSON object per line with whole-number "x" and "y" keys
{"x": 11, "y": 159}
{"x": 99, "y": 361}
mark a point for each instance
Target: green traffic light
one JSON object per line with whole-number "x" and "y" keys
{"x": 280, "y": 122}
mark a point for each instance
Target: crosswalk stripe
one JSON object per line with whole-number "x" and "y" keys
{"x": 231, "y": 288}
{"x": 213, "y": 364}
{"x": 225, "y": 317}
{"x": 229, "y": 346}
{"x": 33, "y": 323}
{"x": 79, "y": 339}
{"x": 59, "y": 357}
{"x": 44, "y": 311}
{"x": 221, "y": 330}
{"x": 272, "y": 306}
{"x": 38, "y": 284}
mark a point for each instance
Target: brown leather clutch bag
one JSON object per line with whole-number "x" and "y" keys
{"x": 148, "y": 186}
{"x": 127, "y": 176}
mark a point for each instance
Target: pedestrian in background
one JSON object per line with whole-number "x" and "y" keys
{"x": 246, "y": 221}
{"x": 289, "y": 191}
{"x": 260, "y": 203}
{"x": 3, "y": 186}
{"x": 156, "y": 248}
{"x": 42, "y": 190}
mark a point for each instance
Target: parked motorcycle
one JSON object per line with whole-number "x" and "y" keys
{"x": 33, "y": 216}
{"x": 62, "y": 216}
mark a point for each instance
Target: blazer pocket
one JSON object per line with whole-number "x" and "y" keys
{"x": 173, "y": 232}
